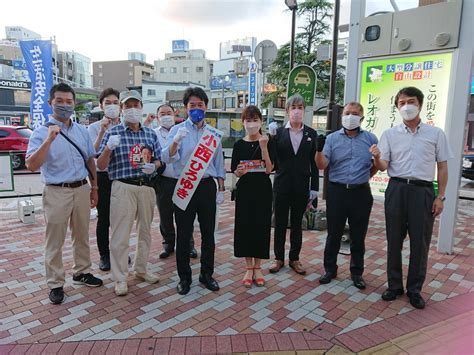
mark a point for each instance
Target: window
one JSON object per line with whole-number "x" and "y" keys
{"x": 101, "y": 74}
{"x": 130, "y": 82}
{"x": 185, "y": 69}
{"x": 130, "y": 73}
{"x": 151, "y": 92}
{"x": 199, "y": 69}
{"x": 230, "y": 102}
{"x": 100, "y": 66}
{"x": 217, "y": 103}
{"x": 3, "y": 133}
{"x": 173, "y": 70}
{"x": 101, "y": 83}
{"x": 162, "y": 70}
{"x": 130, "y": 65}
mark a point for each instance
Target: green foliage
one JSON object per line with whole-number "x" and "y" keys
{"x": 316, "y": 15}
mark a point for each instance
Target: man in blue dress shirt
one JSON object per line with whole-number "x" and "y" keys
{"x": 181, "y": 141}
{"x": 346, "y": 153}
{"x": 67, "y": 197}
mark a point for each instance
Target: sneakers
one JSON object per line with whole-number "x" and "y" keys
{"x": 87, "y": 279}
{"x": 147, "y": 277}
{"x": 56, "y": 295}
{"x": 121, "y": 288}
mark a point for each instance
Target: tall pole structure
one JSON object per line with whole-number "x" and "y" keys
{"x": 330, "y": 125}
{"x": 293, "y": 6}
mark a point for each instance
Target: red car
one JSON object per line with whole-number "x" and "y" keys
{"x": 14, "y": 140}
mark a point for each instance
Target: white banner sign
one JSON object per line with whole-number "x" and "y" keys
{"x": 196, "y": 166}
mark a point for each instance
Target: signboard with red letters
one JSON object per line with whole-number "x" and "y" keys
{"x": 196, "y": 166}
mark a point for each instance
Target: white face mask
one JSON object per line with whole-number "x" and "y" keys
{"x": 112, "y": 111}
{"x": 350, "y": 122}
{"x": 167, "y": 121}
{"x": 132, "y": 115}
{"x": 409, "y": 112}
{"x": 252, "y": 127}
{"x": 296, "y": 115}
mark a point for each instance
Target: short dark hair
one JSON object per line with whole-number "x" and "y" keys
{"x": 251, "y": 111}
{"x": 107, "y": 92}
{"x": 410, "y": 91}
{"x": 164, "y": 105}
{"x": 198, "y": 92}
{"x": 63, "y": 87}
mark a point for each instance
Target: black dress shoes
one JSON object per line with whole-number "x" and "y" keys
{"x": 416, "y": 300}
{"x": 104, "y": 263}
{"x": 183, "y": 287}
{"x": 165, "y": 253}
{"x": 209, "y": 282}
{"x": 390, "y": 295}
{"x": 358, "y": 281}
{"x": 327, "y": 277}
{"x": 193, "y": 253}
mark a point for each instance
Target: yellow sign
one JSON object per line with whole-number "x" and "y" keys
{"x": 380, "y": 81}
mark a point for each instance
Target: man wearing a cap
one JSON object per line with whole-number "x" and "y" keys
{"x": 132, "y": 196}
{"x": 181, "y": 142}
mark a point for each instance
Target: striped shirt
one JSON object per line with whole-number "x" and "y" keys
{"x": 127, "y": 159}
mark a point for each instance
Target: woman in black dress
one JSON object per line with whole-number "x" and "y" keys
{"x": 252, "y": 162}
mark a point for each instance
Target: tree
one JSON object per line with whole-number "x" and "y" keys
{"x": 317, "y": 15}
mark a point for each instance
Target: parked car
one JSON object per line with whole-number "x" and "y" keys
{"x": 468, "y": 166}
{"x": 14, "y": 140}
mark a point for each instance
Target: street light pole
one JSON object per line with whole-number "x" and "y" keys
{"x": 332, "y": 111}
{"x": 293, "y": 6}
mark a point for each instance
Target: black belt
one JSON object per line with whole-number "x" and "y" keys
{"x": 351, "y": 186}
{"x": 70, "y": 184}
{"x": 102, "y": 172}
{"x": 138, "y": 181}
{"x": 413, "y": 182}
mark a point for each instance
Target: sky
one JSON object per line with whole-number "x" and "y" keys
{"x": 108, "y": 30}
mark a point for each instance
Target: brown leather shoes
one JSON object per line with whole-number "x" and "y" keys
{"x": 276, "y": 266}
{"x": 296, "y": 265}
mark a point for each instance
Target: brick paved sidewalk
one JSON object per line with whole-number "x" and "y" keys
{"x": 290, "y": 313}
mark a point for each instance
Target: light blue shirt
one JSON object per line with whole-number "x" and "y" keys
{"x": 185, "y": 149}
{"x": 349, "y": 157}
{"x": 63, "y": 162}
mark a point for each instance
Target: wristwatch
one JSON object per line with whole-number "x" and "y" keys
{"x": 441, "y": 198}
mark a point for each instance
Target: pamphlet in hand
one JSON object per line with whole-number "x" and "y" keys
{"x": 254, "y": 166}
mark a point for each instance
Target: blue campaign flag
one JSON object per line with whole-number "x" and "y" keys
{"x": 38, "y": 59}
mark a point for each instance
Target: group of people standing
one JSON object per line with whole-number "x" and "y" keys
{"x": 139, "y": 167}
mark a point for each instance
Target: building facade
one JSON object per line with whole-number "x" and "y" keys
{"x": 184, "y": 66}
{"x": 74, "y": 69}
{"x": 121, "y": 74}
{"x": 155, "y": 93}
{"x": 19, "y": 33}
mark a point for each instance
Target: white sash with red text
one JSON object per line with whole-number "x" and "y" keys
{"x": 196, "y": 166}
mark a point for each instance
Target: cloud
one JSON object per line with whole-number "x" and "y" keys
{"x": 211, "y": 13}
